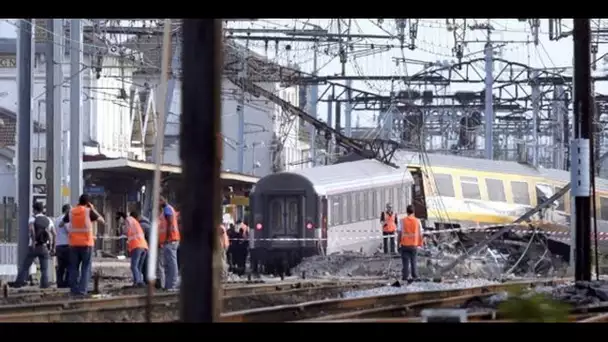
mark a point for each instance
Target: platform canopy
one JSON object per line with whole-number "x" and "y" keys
{"x": 144, "y": 169}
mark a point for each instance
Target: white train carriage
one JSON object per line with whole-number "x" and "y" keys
{"x": 341, "y": 204}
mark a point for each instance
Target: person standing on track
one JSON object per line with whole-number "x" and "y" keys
{"x": 136, "y": 246}
{"x": 410, "y": 238}
{"x": 242, "y": 247}
{"x": 42, "y": 245}
{"x": 81, "y": 239}
{"x": 62, "y": 249}
{"x": 389, "y": 222}
{"x": 168, "y": 240}
{"x": 146, "y": 226}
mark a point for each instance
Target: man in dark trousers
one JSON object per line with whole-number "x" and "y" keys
{"x": 410, "y": 239}
{"x": 232, "y": 252}
{"x": 241, "y": 246}
{"x": 62, "y": 249}
{"x": 146, "y": 226}
{"x": 389, "y": 222}
{"x": 42, "y": 244}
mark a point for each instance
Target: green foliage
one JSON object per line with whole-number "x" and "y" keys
{"x": 533, "y": 308}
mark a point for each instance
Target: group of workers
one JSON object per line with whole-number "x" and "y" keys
{"x": 71, "y": 239}
{"x": 409, "y": 233}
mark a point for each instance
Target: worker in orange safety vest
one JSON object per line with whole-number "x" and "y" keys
{"x": 81, "y": 240}
{"x": 168, "y": 240}
{"x": 137, "y": 247}
{"x": 389, "y": 221}
{"x": 410, "y": 238}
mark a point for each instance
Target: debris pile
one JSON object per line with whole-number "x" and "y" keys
{"x": 509, "y": 256}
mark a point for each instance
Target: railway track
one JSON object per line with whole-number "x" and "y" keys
{"x": 130, "y": 307}
{"x": 337, "y": 307}
{"x": 401, "y": 307}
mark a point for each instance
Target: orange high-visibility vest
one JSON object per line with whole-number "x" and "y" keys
{"x": 389, "y": 223}
{"x": 80, "y": 233}
{"x": 163, "y": 225}
{"x": 224, "y": 241}
{"x": 135, "y": 235}
{"x": 410, "y": 236}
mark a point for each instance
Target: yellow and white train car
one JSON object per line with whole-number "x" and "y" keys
{"x": 468, "y": 192}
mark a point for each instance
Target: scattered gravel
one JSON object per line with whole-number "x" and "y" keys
{"x": 418, "y": 287}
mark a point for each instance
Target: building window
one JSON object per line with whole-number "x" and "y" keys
{"x": 521, "y": 194}
{"x": 444, "y": 185}
{"x": 496, "y": 190}
{"x": 470, "y": 188}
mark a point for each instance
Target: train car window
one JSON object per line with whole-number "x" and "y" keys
{"x": 356, "y": 207}
{"x": 381, "y": 201}
{"x": 496, "y": 190}
{"x": 347, "y": 204}
{"x": 391, "y": 198}
{"x": 561, "y": 202}
{"x": 604, "y": 208}
{"x": 364, "y": 205}
{"x": 470, "y": 188}
{"x": 371, "y": 209}
{"x": 443, "y": 184}
{"x": 521, "y": 194}
{"x": 399, "y": 200}
{"x": 388, "y": 194}
{"x": 376, "y": 195}
{"x": 336, "y": 210}
{"x": 276, "y": 215}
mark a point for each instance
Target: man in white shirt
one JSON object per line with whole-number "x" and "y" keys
{"x": 42, "y": 245}
{"x": 62, "y": 249}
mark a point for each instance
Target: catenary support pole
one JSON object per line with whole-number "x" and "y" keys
{"x": 580, "y": 151}
{"x": 24, "y": 132}
{"x": 76, "y": 179}
{"x": 314, "y": 99}
{"x": 158, "y": 159}
{"x": 348, "y": 109}
{"x": 54, "y": 116}
{"x": 202, "y": 65}
{"x": 240, "y": 111}
{"x": 535, "y": 116}
{"x": 489, "y": 101}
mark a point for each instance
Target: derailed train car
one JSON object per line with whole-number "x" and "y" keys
{"x": 324, "y": 210}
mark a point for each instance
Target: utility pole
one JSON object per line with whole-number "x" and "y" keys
{"x": 580, "y": 150}
{"x": 24, "y": 132}
{"x": 202, "y": 65}
{"x": 348, "y": 109}
{"x": 489, "y": 98}
{"x": 54, "y": 116}
{"x": 314, "y": 94}
{"x": 535, "y": 116}
{"x": 75, "y": 173}
{"x": 240, "y": 110}
{"x": 330, "y": 119}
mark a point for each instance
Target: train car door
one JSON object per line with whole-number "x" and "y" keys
{"x": 418, "y": 198}
{"x": 285, "y": 219}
